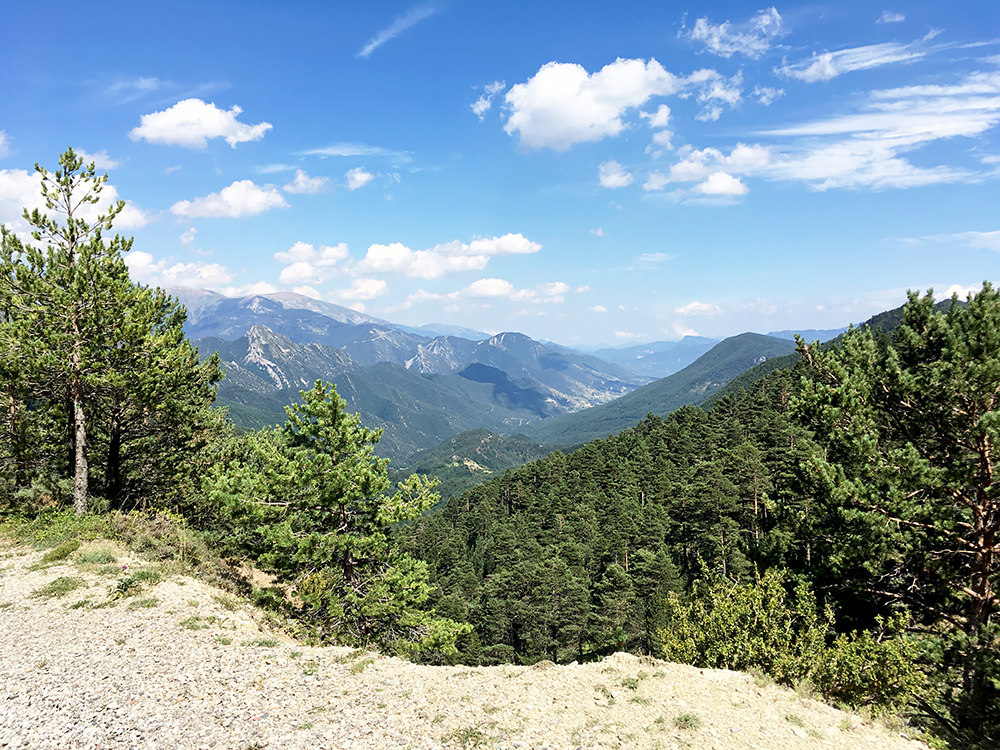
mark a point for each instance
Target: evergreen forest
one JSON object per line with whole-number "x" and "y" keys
{"x": 833, "y": 523}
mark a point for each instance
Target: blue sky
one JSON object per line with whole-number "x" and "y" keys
{"x": 585, "y": 172}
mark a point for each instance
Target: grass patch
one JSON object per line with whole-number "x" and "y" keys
{"x": 687, "y": 721}
{"x": 194, "y": 623}
{"x": 223, "y": 640}
{"x": 145, "y": 603}
{"x": 795, "y": 721}
{"x": 82, "y": 604}
{"x": 97, "y": 557}
{"x": 59, "y": 587}
{"x": 229, "y": 603}
{"x": 468, "y": 737}
{"x": 310, "y": 668}
{"x": 642, "y": 700}
{"x": 5, "y": 605}
{"x": 61, "y": 551}
{"x": 261, "y": 642}
{"x": 360, "y": 665}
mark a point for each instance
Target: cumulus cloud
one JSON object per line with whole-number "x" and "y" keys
{"x": 698, "y": 308}
{"x": 257, "y": 287}
{"x": 101, "y": 160}
{"x": 440, "y": 260}
{"x": 599, "y": 232}
{"x": 21, "y": 190}
{"x": 717, "y": 90}
{"x": 303, "y": 184}
{"x": 4, "y": 144}
{"x": 613, "y": 175}
{"x": 162, "y": 273}
{"x": 242, "y": 198}
{"x": 563, "y": 104}
{"x": 358, "y": 178}
{"x": 483, "y": 104}
{"x": 400, "y": 24}
{"x": 304, "y": 262}
{"x": 751, "y": 38}
{"x": 362, "y": 289}
{"x": 721, "y": 184}
{"x": 192, "y": 122}
{"x": 889, "y": 16}
{"x": 658, "y": 119}
{"x": 188, "y": 237}
{"x": 598, "y": 309}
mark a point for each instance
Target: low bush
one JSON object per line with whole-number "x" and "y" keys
{"x": 759, "y": 626}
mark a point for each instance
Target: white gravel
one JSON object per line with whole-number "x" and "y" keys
{"x": 127, "y": 677}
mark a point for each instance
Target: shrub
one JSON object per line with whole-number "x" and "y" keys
{"x": 756, "y": 625}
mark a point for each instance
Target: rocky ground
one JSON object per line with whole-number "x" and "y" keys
{"x": 175, "y": 663}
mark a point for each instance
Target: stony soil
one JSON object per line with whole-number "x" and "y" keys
{"x": 181, "y": 665}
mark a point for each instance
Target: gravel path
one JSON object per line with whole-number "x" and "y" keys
{"x": 181, "y": 665}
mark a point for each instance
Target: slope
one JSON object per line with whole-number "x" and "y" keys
{"x": 692, "y": 385}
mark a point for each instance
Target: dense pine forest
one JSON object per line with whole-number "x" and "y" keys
{"x": 831, "y": 524}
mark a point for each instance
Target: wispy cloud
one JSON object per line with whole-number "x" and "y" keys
{"x": 889, "y": 16}
{"x": 360, "y": 149}
{"x": 406, "y": 21}
{"x": 977, "y": 240}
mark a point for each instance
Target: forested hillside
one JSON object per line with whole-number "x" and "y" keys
{"x": 858, "y": 480}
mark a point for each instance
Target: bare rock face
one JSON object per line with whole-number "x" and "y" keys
{"x": 179, "y": 664}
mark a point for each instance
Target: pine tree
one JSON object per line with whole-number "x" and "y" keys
{"x": 908, "y": 461}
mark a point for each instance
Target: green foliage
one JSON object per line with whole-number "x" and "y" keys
{"x": 310, "y": 503}
{"x": 61, "y": 551}
{"x": 757, "y": 625}
{"x": 101, "y": 387}
{"x": 905, "y": 468}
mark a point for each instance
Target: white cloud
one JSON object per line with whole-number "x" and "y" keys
{"x": 101, "y": 160}
{"x": 131, "y": 216}
{"x": 171, "y": 170}
{"x": 562, "y": 104}
{"x": 650, "y": 260}
{"x": 443, "y": 259}
{"x": 489, "y": 288}
{"x": 483, "y": 104}
{"x": 400, "y": 24}
{"x": 721, "y": 184}
{"x": 698, "y": 308}
{"x": 188, "y": 237}
{"x": 656, "y": 181}
{"x": 242, "y": 198}
{"x": 599, "y": 232}
{"x": 613, "y": 175}
{"x": 715, "y": 89}
{"x": 303, "y": 184}
{"x": 362, "y": 289}
{"x": 358, "y": 178}
{"x": 889, "y": 16}
{"x": 977, "y": 240}
{"x": 682, "y": 330}
{"x": 598, "y": 309}
{"x": 751, "y": 39}
{"x": 307, "y": 291}
{"x": 4, "y": 144}
{"x": 658, "y": 119}
{"x": 628, "y": 335}
{"x": 198, "y": 274}
{"x": 191, "y": 122}
{"x": 360, "y": 149}
{"x": 767, "y": 95}
{"x": 307, "y": 263}
{"x": 247, "y": 290}
{"x": 827, "y": 65}
{"x": 21, "y": 190}
{"x": 492, "y": 288}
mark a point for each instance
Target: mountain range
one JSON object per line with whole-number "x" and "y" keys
{"x": 425, "y": 385}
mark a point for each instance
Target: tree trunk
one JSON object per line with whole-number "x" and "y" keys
{"x": 80, "y": 469}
